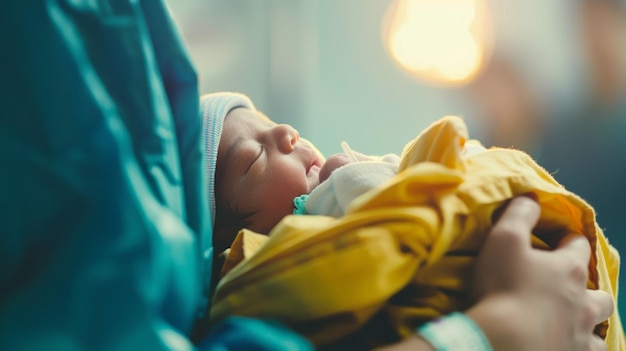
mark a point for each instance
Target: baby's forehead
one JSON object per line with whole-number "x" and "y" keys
{"x": 242, "y": 124}
{"x": 264, "y": 117}
{"x": 242, "y": 116}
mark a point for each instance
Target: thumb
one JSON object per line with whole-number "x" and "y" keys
{"x": 505, "y": 246}
{"x": 514, "y": 222}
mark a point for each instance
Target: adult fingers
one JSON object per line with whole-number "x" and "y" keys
{"x": 572, "y": 256}
{"x": 602, "y": 306}
{"x": 576, "y": 245}
{"x": 501, "y": 257}
{"x": 596, "y": 344}
{"x": 516, "y": 222}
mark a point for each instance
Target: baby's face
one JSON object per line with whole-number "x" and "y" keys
{"x": 262, "y": 166}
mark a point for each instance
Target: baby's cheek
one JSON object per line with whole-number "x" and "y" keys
{"x": 332, "y": 163}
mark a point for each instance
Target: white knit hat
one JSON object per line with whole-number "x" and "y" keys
{"x": 214, "y": 108}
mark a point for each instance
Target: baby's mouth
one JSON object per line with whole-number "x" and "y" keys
{"x": 313, "y": 167}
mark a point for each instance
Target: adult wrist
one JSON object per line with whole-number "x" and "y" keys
{"x": 493, "y": 315}
{"x": 455, "y": 332}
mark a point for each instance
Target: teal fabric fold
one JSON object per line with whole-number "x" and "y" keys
{"x": 105, "y": 239}
{"x": 103, "y": 210}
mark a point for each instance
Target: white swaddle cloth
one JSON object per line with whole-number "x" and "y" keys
{"x": 333, "y": 196}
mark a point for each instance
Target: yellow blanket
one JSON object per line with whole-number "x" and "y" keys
{"x": 404, "y": 252}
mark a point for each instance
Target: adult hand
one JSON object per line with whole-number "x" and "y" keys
{"x": 532, "y": 299}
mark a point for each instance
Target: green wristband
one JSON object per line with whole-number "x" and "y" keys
{"x": 455, "y": 332}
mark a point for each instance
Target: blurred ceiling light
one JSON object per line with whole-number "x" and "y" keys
{"x": 446, "y": 42}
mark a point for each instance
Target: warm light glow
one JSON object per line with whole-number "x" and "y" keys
{"x": 442, "y": 41}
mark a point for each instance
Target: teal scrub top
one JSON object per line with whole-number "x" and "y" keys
{"x": 105, "y": 237}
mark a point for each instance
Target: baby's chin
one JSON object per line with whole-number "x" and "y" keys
{"x": 332, "y": 163}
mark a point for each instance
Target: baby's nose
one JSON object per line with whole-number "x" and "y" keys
{"x": 286, "y": 137}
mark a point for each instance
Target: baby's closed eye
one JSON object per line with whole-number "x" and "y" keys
{"x": 254, "y": 156}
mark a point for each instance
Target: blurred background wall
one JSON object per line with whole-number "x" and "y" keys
{"x": 551, "y": 79}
